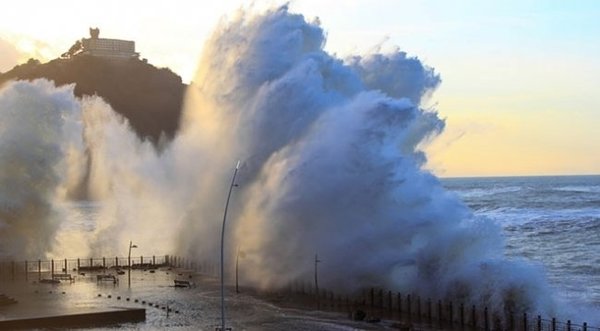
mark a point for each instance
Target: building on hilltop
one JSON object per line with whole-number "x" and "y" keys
{"x": 102, "y": 47}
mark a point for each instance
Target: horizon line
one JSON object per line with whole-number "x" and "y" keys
{"x": 517, "y": 176}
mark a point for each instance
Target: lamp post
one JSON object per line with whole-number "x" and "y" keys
{"x": 129, "y": 264}
{"x": 237, "y": 167}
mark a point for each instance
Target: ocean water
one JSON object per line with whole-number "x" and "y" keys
{"x": 551, "y": 221}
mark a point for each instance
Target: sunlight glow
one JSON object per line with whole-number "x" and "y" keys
{"x": 519, "y": 79}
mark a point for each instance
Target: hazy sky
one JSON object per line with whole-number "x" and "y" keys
{"x": 519, "y": 77}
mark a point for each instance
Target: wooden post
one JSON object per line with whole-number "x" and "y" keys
{"x": 332, "y": 298}
{"x": 511, "y": 321}
{"x": 429, "y": 311}
{"x": 524, "y": 321}
{"x": 486, "y": 321}
{"x": 141, "y": 260}
{"x": 78, "y": 264}
{"x": 539, "y": 323}
{"x": 440, "y": 312}
{"x": 66, "y": 270}
{"x": 91, "y": 262}
{"x": 584, "y": 326}
{"x": 104, "y": 262}
{"x": 553, "y": 324}
{"x": 39, "y": 270}
{"x": 409, "y": 307}
{"x": 451, "y": 313}
{"x": 568, "y": 325}
{"x": 153, "y": 260}
{"x": 462, "y": 315}
{"x": 474, "y": 317}
{"x": 419, "y": 308}
{"x": 52, "y": 270}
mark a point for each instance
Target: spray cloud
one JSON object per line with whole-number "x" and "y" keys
{"x": 331, "y": 165}
{"x": 38, "y": 134}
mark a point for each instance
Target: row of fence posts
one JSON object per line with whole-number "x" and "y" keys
{"x": 12, "y": 270}
{"x": 408, "y": 308}
{"x": 444, "y": 315}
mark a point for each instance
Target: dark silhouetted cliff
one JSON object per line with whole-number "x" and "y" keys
{"x": 151, "y": 98}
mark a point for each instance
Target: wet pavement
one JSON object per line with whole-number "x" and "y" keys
{"x": 167, "y": 307}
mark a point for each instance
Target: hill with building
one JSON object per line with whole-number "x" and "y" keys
{"x": 149, "y": 97}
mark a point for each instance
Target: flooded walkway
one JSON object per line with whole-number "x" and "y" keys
{"x": 167, "y": 307}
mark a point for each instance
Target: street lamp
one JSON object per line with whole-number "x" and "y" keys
{"x": 237, "y": 167}
{"x": 129, "y": 263}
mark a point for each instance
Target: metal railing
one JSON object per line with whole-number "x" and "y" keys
{"x": 44, "y": 269}
{"x": 409, "y": 310}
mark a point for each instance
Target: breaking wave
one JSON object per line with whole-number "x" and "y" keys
{"x": 331, "y": 165}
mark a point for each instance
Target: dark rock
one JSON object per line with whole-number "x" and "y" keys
{"x": 149, "y": 97}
